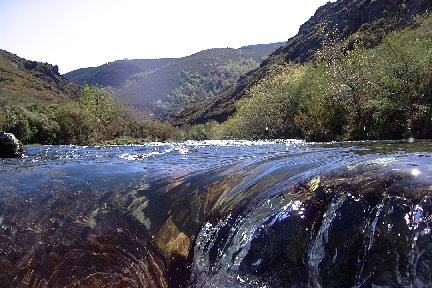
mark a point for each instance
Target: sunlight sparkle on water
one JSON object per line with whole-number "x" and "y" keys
{"x": 415, "y": 172}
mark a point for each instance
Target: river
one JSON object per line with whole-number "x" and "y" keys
{"x": 218, "y": 214}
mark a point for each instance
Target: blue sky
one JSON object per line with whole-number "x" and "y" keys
{"x": 82, "y": 33}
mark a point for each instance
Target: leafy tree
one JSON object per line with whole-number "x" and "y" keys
{"x": 18, "y": 124}
{"x": 320, "y": 115}
{"x": 77, "y": 126}
{"x": 203, "y": 131}
{"x": 270, "y": 109}
{"x": 98, "y": 101}
{"x": 110, "y": 119}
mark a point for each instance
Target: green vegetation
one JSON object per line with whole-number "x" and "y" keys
{"x": 362, "y": 84}
{"x": 199, "y": 86}
{"x": 39, "y": 105}
{"x": 270, "y": 110}
{"x": 203, "y": 131}
{"x": 163, "y": 85}
{"x": 379, "y": 93}
{"x": 23, "y": 82}
{"x": 96, "y": 117}
{"x": 339, "y": 23}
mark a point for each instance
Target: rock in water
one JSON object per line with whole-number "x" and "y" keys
{"x": 10, "y": 147}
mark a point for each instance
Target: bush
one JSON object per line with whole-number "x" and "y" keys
{"x": 269, "y": 110}
{"x": 202, "y": 131}
{"x": 31, "y": 126}
{"x": 77, "y": 126}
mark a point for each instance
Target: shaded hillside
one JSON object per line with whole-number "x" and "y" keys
{"x": 114, "y": 74}
{"x": 25, "y": 82}
{"x": 142, "y": 83}
{"x": 334, "y": 23}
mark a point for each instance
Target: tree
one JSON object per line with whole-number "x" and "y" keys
{"x": 31, "y": 125}
{"x": 100, "y": 104}
{"x": 270, "y": 108}
{"x": 77, "y": 126}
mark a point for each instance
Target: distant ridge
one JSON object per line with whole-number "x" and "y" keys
{"x": 279, "y": 44}
{"x": 144, "y": 82}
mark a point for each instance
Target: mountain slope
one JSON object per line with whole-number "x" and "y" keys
{"x": 114, "y": 74}
{"x": 38, "y": 105}
{"x": 144, "y": 82}
{"x": 23, "y": 82}
{"x": 384, "y": 92}
{"x": 341, "y": 21}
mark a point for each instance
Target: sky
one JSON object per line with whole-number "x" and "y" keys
{"x": 85, "y": 33}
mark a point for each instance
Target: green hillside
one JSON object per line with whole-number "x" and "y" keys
{"x": 362, "y": 93}
{"x": 25, "y": 82}
{"x": 165, "y": 84}
{"x": 358, "y": 69}
{"x": 39, "y": 105}
{"x": 115, "y": 74}
{"x": 335, "y": 24}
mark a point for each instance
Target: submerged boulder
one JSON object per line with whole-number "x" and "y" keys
{"x": 10, "y": 146}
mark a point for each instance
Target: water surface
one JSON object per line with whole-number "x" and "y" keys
{"x": 218, "y": 214}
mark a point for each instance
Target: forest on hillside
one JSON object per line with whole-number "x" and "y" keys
{"x": 160, "y": 86}
{"x": 346, "y": 94}
{"x": 200, "y": 86}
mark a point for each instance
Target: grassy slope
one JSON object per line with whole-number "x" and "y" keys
{"x": 39, "y": 105}
{"x": 38, "y": 83}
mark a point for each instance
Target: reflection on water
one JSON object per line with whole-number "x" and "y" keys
{"x": 217, "y": 214}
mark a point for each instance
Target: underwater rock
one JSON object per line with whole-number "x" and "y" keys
{"x": 116, "y": 252}
{"x": 171, "y": 240}
{"x": 10, "y": 146}
{"x": 365, "y": 226}
{"x": 325, "y": 217}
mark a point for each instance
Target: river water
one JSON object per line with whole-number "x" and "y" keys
{"x": 218, "y": 214}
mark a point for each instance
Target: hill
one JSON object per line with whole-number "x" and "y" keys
{"x": 41, "y": 106}
{"x": 24, "y": 82}
{"x": 168, "y": 83}
{"x": 339, "y": 23}
{"x": 114, "y": 74}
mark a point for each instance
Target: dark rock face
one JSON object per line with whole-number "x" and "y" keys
{"x": 337, "y": 21}
{"x": 361, "y": 243}
{"x": 10, "y": 147}
{"x": 332, "y": 23}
